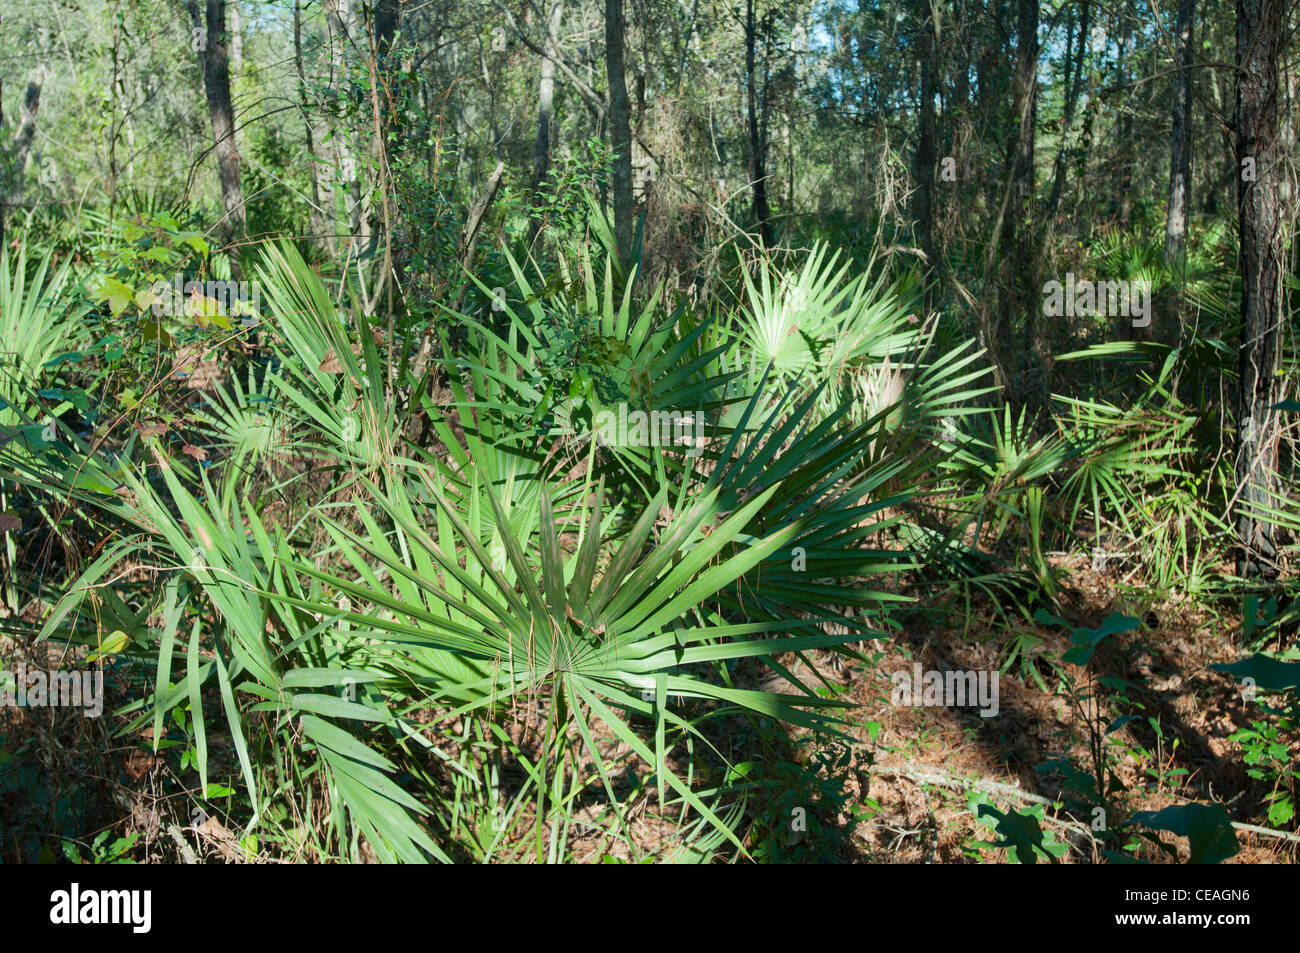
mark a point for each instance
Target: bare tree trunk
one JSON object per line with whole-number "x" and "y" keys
{"x": 11, "y": 191}
{"x": 322, "y": 222}
{"x": 546, "y": 100}
{"x": 236, "y": 38}
{"x": 620, "y": 128}
{"x": 1180, "y": 145}
{"x": 757, "y": 137}
{"x": 1073, "y": 87}
{"x": 1019, "y": 289}
{"x": 387, "y": 21}
{"x": 1259, "y": 28}
{"x": 386, "y": 16}
{"x": 216, "y": 83}
{"x": 341, "y": 20}
{"x": 925, "y": 145}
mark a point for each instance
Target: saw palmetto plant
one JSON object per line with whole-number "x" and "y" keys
{"x": 467, "y": 648}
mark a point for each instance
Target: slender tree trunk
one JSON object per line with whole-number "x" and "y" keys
{"x": 341, "y": 20}
{"x": 1073, "y": 87}
{"x": 546, "y": 100}
{"x": 1019, "y": 290}
{"x": 322, "y": 218}
{"x": 1124, "y": 167}
{"x": 620, "y": 129}
{"x": 216, "y": 83}
{"x": 11, "y": 191}
{"x": 1259, "y": 29}
{"x": 925, "y": 144}
{"x": 385, "y": 19}
{"x": 387, "y": 22}
{"x": 236, "y": 38}
{"x": 1180, "y": 144}
{"x": 757, "y": 143}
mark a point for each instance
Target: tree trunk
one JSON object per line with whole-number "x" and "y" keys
{"x": 1259, "y": 27}
{"x": 341, "y": 20}
{"x": 322, "y": 217}
{"x": 1180, "y": 144}
{"x": 385, "y": 99}
{"x": 387, "y": 21}
{"x": 236, "y": 38}
{"x": 546, "y": 100}
{"x": 1073, "y": 87}
{"x": 1019, "y": 289}
{"x": 757, "y": 143}
{"x": 11, "y": 191}
{"x": 216, "y": 83}
{"x": 620, "y": 129}
{"x": 925, "y": 145}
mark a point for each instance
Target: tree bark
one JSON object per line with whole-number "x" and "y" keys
{"x": 341, "y": 20}
{"x": 1259, "y": 28}
{"x": 757, "y": 139}
{"x": 236, "y": 37}
{"x": 1019, "y": 289}
{"x": 387, "y": 21}
{"x": 925, "y": 145}
{"x": 620, "y": 129}
{"x": 216, "y": 84}
{"x": 11, "y": 190}
{"x": 546, "y": 100}
{"x": 1180, "y": 144}
{"x": 1073, "y": 87}
{"x": 322, "y": 217}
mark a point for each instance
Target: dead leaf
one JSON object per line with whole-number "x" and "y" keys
{"x": 331, "y": 365}
{"x": 139, "y": 762}
{"x": 198, "y": 453}
{"x": 222, "y": 838}
{"x": 9, "y": 522}
{"x": 155, "y": 429}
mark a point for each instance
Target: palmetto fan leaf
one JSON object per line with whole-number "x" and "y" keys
{"x": 592, "y": 629}
{"x": 538, "y": 387}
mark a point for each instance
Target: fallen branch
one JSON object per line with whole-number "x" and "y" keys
{"x": 926, "y": 774}
{"x": 187, "y": 852}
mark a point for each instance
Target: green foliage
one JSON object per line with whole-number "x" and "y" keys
{"x": 1020, "y": 833}
{"x": 101, "y": 850}
{"x": 1207, "y": 827}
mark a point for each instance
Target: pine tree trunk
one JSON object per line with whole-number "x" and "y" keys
{"x": 1259, "y": 27}
{"x": 757, "y": 143}
{"x": 620, "y": 129}
{"x": 545, "y": 108}
{"x": 925, "y": 144}
{"x": 1020, "y": 293}
{"x": 221, "y": 111}
{"x": 1180, "y": 145}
